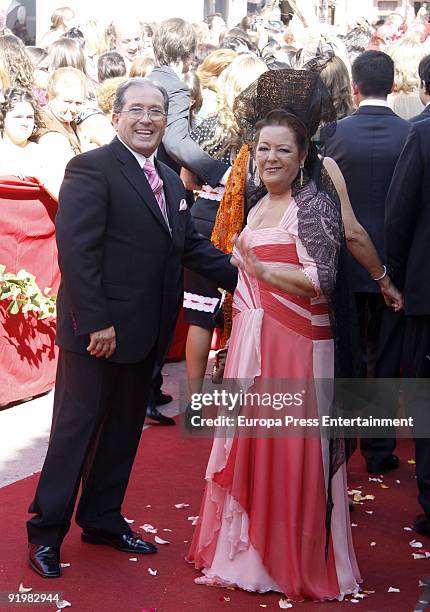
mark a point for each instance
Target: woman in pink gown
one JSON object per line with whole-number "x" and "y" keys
{"x": 262, "y": 524}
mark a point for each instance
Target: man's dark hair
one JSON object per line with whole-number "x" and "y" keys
{"x": 373, "y": 73}
{"x": 118, "y": 103}
{"x": 110, "y": 65}
{"x": 174, "y": 41}
{"x": 424, "y": 72}
{"x": 75, "y": 34}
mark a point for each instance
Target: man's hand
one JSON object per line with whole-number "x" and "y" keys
{"x": 392, "y": 296}
{"x": 102, "y": 343}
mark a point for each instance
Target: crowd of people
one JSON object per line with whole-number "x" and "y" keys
{"x": 301, "y": 153}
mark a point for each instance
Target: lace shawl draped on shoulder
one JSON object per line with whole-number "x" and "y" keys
{"x": 320, "y": 231}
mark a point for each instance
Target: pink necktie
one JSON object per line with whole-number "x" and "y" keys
{"x": 156, "y": 184}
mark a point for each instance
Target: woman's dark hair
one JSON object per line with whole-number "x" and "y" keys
{"x": 110, "y": 65}
{"x": 13, "y": 96}
{"x": 373, "y": 73}
{"x": 278, "y": 117}
{"x": 66, "y": 52}
{"x": 424, "y": 72}
{"x": 75, "y": 34}
{"x": 281, "y": 118}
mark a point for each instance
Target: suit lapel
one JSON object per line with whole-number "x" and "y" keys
{"x": 172, "y": 202}
{"x": 136, "y": 176}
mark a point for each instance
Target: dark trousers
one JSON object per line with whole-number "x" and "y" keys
{"x": 381, "y": 333}
{"x": 99, "y": 412}
{"x": 417, "y": 399}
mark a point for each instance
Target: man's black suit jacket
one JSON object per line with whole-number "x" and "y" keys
{"x": 178, "y": 148}
{"x": 408, "y": 221}
{"x": 425, "y": 114}
{"x": 366, "y": 147}
{"x": 120, "y": 266}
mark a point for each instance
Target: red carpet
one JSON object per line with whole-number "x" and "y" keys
{"x": 168, "y": 471}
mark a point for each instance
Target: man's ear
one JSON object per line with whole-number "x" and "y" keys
{"x": 115, "y": 118}
{"x": 354, "y": 89}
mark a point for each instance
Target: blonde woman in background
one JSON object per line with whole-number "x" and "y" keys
{"x": 96, "y": 42}
{"x": 17, "y": 62}
{"x": 62, "y": 19}
{"x": 335, "y": 76}
{"x": 142, "y": 66}
{"x": 208, "y": 73}
{"x": 406, "y": 55}
{"x": 67, "y": 91}
{"x": 218, "y": 135}
{"x": 106, "y": 94}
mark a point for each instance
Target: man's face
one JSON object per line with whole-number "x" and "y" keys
{"x": 129, "y": 41}
{"x": 136, "y": 129}
{"x": 68, "y": 100}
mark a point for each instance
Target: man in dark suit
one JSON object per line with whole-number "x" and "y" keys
{"x": 124, "y": 234}
{"x": 366, "y": 146}
{"x": 407, "y": 238}
{"x": 174, "y": 44}
{"x": 424, "y": 91}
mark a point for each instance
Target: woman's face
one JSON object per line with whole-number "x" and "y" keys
{"x": 277, "y": 157}
{"x": 19, "y": 123}
{"x": 67, "y": 101}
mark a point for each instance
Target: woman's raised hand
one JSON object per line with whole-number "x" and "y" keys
{"x": 249, "y": 263}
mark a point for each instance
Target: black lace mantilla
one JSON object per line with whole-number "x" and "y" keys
{"x": 320, "y": 229}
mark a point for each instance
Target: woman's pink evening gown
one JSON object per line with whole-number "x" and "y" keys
{"x": 262, "y": 519}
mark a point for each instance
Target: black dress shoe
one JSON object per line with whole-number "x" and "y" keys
{"x": 127, "y": 542}
{"x": 162, "y": 398}
{"x": 155, "y": 415}
{"x": 422, "y": 525}
{"x": 390, "y": 463}
{"x": 45, "y": 560}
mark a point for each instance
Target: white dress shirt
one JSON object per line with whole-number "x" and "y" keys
{"x": 374, "y": 102}
{"x": 141, "y": 159}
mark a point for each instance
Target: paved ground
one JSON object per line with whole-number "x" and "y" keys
{"x": 24, "y": 428}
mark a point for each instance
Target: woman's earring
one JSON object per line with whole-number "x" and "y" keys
{"x": 257, "y": 179}
{"x": 301, "y": 175}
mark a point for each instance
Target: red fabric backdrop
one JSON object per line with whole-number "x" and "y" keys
{"x": 28, "y": 354}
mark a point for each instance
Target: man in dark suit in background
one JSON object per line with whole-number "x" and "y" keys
{"x": 424, "y": 91}
{"x": 407, "y": 244}
{"x": 124, "y": 234}
{"x": 366, "y": 146}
